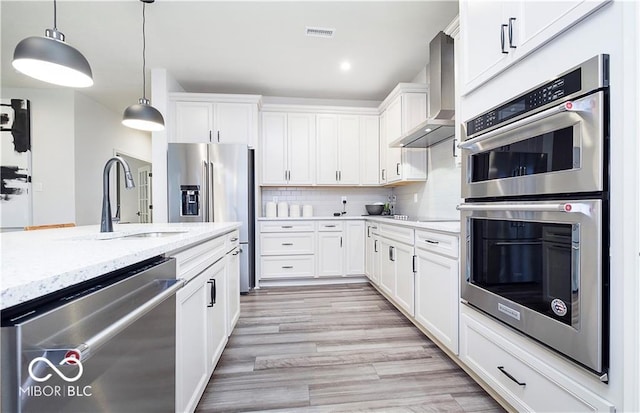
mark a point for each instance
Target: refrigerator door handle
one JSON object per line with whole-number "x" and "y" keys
{"x": 205, "y": 195}
{"x": 211, "y": 194}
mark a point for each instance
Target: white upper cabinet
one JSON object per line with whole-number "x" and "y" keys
{"x": 287, "y": 147}
{"x": 496, "y": 34}
{"x": 404, "y": 112}
{"x": 369, "y": 150}
{"x": 338, "y": 149}
{"x": 212, "y": 118}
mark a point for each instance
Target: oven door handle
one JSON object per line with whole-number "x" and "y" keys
{"x": 567, "y": 207}
{"x": 580, "y": 105}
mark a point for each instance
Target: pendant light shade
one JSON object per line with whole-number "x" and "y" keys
{"x": 52, "y": 60}
{"x": 142, "y": 115}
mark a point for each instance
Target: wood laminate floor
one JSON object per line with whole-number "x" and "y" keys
{"x": 339, "y": 348}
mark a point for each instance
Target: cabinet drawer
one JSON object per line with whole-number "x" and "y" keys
{"x": 397, "y": 232}
{"x": 193, "y": 260}
{"x": 287, "y": 226}
{"x": 434, "y": 241}
{"x": 287, "y": 244}
{"x": 233, "y": 239}
{"x": 525, "y": 386}
{"x": 293, "y": 266}
{"x": 325, "y": 226}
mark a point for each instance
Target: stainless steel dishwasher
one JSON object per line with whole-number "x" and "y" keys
{"x": 103, "y": 346}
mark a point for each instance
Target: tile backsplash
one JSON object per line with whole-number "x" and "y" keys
{"x": 326, "y": 201}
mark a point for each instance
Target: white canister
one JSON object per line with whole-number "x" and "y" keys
{"x": 294, "y": 210}
{"x": 283, "y": 210}
{"x": 270, "y": 210}
{"x": 307, "y": 211}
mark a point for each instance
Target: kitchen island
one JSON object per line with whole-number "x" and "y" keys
{"x": 36, "y": 263}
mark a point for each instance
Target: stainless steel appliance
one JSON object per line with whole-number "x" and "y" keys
{"x": 536, "y": 215}
{"x": 215, "y": 183}
{"x": 121, "y": 328}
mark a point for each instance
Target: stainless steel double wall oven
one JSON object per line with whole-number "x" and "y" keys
{"x": 536, "y": 213}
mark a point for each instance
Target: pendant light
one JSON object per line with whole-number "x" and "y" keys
{"x": 142, "y": 115}
{"x": 52, "y": 60}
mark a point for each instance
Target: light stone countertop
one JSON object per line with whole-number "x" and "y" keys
{"x": 35, "y": 263}
{"x": 443, "y": 225}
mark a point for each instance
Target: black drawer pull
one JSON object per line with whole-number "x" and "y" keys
{"x": 287, "y": 244}
{"x": 287, "y": 267}
{"x": 329, "y": 226}
{"x": 286, "y": 226}
{"x": 503, "y": 371}
{"x": 234, "y": 239}
{"x": 432, "y": 242}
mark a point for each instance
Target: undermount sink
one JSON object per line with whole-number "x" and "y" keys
{"x": 154, "y": 234}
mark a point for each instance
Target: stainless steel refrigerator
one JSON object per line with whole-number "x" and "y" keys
{"x": 215, "y": 183}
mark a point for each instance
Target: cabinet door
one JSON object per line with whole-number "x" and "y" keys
{"x": 194, "y": 122}
{"x": 330, "y": 254}
{"x": 274, "y": 148}
{"x": 393, "y": 132}
{"x": 369, "y": 150}
{"x": 480, "y": 32}
{"x": 327, "y": 149}
{"x": 375, "y": 264}
{"x": 414, "y": 110}
{"x": 233, "y": 288}
{"x": 387, "y": 267}
{"x": 383, "y": 149}
{"x": 191, "y": 343}
{"x": 404, "y": 292}
{"x": 349, "y": 150}
{"x": 300, "y": 150}
{"x": 369, "y": 252}
{"x": 234, "y": 122}
{"x": 355, "y": 248}
{"x": 437, "y": 298}
{"x": 216, "y": 313}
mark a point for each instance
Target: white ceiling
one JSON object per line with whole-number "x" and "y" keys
{"x": 236, "y": 46}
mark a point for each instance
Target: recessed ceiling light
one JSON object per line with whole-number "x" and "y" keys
{"x": 345, "y": 66}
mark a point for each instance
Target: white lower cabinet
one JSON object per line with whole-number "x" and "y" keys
{"x": 216, "y": 314}
{"x": 330, "y": 254}
{"x": 437, "y": 286}
{"x": 523, "y": 380}
{"x": 233, "y": 288}
{"x": 397, "y": 272}
{"x": 297, "y": 249}
{"x": 369, "y": 250}
{"x": 207, "y": 308}
{"x": 192, "y": 373}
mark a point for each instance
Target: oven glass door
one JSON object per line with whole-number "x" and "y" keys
{"x": 534, "y": 264}
{"x": 559, "y": 150}
{"x": 538, "y": 267}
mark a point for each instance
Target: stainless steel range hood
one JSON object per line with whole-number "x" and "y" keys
{"x": 440, "y": 123}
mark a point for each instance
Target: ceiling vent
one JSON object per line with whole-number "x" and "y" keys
{"x": 319, "y": 32}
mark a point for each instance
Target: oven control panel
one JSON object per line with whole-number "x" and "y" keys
{"x": 527, "y": 102}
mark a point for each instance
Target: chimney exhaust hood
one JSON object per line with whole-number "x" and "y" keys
{"x": 440, "y": 121}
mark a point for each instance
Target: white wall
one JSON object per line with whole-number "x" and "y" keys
{"x": 439, "y": 196}
{"x": 98, "y": 133}
{"x": 52, "y": 135}
{"x": 162, "y": 83}
{"x": 326, "y": 201}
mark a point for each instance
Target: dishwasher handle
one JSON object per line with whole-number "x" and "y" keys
{"x": 92, "y": 344}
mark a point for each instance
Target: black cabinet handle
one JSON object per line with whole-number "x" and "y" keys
{"x": 213, "y": 291}
{"x": 414, "y": 265}
{"x": 287, "y": 244}
{"x": 286, "y": 226}
{"x": 398, "y": 169}
{"x": 391, "y": 254}
{"x": 287, "y": 267}
{"x": 503, "y": 371}
{"x": 218, "y": 136}
{"x": 340, "y": 242}
{"x": 502, "y": 27}
{"x": 375, "y": 245}
{"x": 432, "y": 242}
{"x": 455, "y": 155}
{"x": 511, "y": 20}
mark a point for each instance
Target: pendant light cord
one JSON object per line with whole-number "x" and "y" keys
{"x": 144, "y": 54}
{"x": 55, "y": 16}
